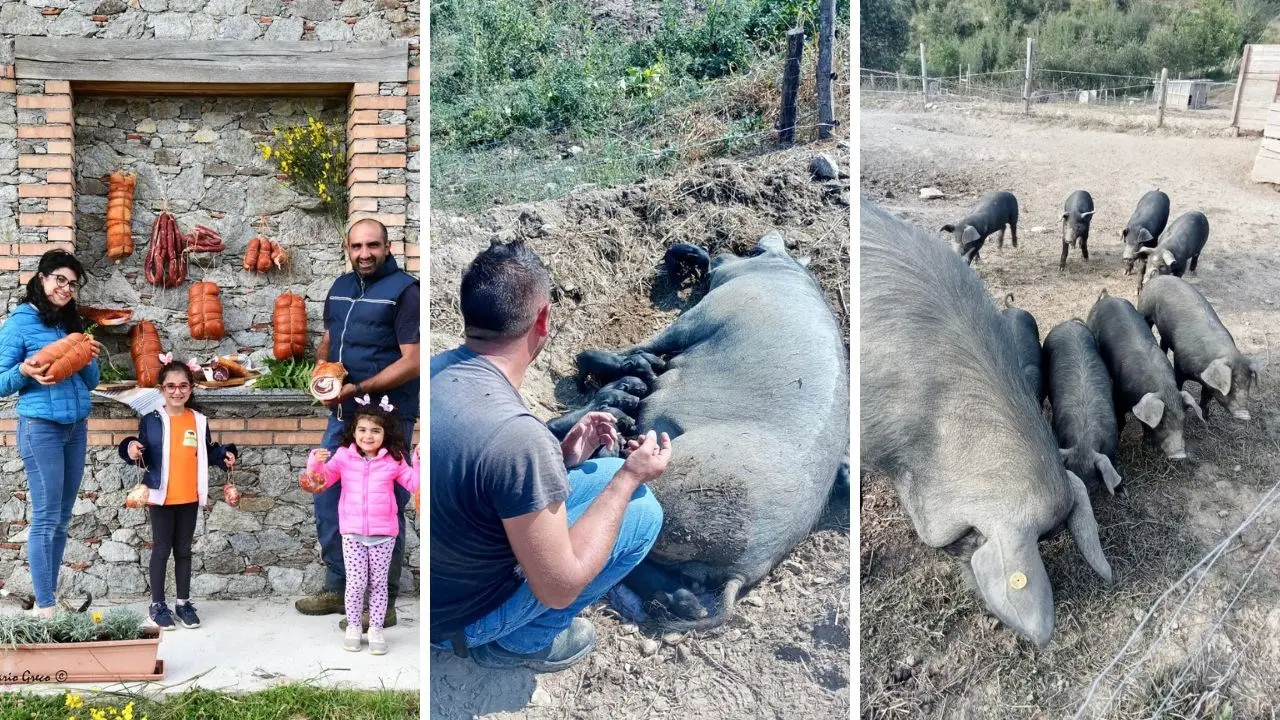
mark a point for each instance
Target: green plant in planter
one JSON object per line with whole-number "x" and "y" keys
{"x": 26, "y": 629}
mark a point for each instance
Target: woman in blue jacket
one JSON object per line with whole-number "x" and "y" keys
{"x": 52, "y": 417}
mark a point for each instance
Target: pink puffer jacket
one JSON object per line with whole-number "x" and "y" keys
{"x": 367, "y": 505}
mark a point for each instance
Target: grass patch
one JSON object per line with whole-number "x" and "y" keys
{"x": 285, "y": 702}
{"x": 531, "y": 99}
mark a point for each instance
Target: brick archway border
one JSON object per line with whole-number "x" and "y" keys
{"x": 49, "y": 72}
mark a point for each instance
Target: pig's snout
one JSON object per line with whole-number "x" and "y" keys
{"x": 1173, "y": 447}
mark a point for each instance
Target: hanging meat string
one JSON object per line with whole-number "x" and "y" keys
{"x": 165, "y": 264}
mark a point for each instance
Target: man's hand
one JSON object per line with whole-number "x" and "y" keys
{"x": 647, "y": 459}
{"x": 230, "y": 461}
{"x": 321, "y": 455}
{"x": 135, "y": 451}
{"x": 594, "y": 430}
{"x": 347, "y": 392}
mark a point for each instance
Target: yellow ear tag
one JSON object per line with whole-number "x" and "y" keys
{"x": 1017, "y": 581}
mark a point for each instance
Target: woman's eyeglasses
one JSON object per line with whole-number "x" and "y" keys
{"x": 180, "y": 387}
{"x": 65, "y": 282}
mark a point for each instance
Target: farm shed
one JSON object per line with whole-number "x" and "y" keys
{"x": 1256, "y": 86}
{"x": 1188, "y": 94}
{"x": 1266, "y": 166}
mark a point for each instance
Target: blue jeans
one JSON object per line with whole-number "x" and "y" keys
{"x": 524, "y": 625}
{"x": 53, "y": 454}
{"x": 326, "y": 506}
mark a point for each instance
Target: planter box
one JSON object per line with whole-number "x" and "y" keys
{"x": 104, "y": 661}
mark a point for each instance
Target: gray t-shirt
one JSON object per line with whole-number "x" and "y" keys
{"x": 490, "y": 459}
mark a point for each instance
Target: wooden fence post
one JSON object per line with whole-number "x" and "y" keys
{"x": 1026, "y": 84}
{"x": 1160, "y": 96}
{"x": 826, "y": 47}
{"x": 1235, "y": 101}
{"x": 924, "y": 75}
{"x": 790, "y": 86}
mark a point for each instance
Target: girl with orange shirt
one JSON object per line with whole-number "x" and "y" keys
{"x": 177, "y": 463}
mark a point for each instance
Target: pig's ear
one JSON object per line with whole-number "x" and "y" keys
{"x": 1108, "y": 472}
{"x": 1168, "y": 257}
{"x": 1143, "y": 251}
{"x": 1149, "y": 410}
{"x": 1124, "y": 233}
{"x": 1087, "y": 214}
{"x": 1218, "y": 376}
{"x": 970, "y": 236}
{"x": 1065, "y": 215}
{"x": 1145, "y": 236}
{"x": 1084, "y": 529}
{"x": 1192, "y": 404}
{"x": 948, "y": 228}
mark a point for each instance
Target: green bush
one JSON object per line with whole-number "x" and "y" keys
{"x": 1125, "y": 37}
{"x": 502, "y": 66}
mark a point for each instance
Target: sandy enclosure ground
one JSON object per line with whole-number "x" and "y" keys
{"x": 785, "y": 653}
{"x": 928, "y": 648}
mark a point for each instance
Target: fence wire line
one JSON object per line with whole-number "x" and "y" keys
{"x": 1019, "y": 71}
{"x": 1211, "y": 557}
{"x": 652, "y": 153}
{"x": 1208, "y": 637}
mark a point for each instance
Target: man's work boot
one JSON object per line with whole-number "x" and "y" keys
{"x": 322, "y": 603}
{"x": 573, "y": 644}
{"x": 364, "y": 620}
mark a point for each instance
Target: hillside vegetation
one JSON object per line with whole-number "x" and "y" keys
{"x": 517, "y": 85}
{"x": 1122, "y": 37}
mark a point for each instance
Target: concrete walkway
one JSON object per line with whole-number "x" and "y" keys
{"x": 246, "y": 645}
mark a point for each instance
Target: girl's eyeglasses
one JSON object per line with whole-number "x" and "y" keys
{"x": 180, "y": 387}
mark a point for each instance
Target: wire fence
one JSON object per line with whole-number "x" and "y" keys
{"x": 1123, "y": 673}
{"x": 1052, "y": 86}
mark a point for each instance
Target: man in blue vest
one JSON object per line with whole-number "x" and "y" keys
{"x": 371, "y": 326}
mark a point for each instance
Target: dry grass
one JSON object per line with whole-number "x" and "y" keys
{"x": 929, "y": 648}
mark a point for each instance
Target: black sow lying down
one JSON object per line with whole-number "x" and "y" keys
{"x": 1203, "y": 349}
{"x": 755, "y": 395}
{"x": 1083, "y": 416}
{"x": 945, "y": 413}
{"x": 1142, "y": 380}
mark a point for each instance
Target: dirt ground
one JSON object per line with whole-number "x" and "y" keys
{"x": 928, "y": 647}
{"x": 785, "y": 653}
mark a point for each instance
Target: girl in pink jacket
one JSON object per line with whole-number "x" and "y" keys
{"x": 370, "y": 461}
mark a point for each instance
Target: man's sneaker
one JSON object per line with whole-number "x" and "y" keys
{"x": 161, "y": 616}
{"x": 390, "y": 621}
{"x": 377, "y": 642}
{"x": 187, "y": 617}
{"x": 572, "y": 645}
{"x": 322, "y": 603}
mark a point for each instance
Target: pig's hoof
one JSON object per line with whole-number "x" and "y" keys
{"x": 684, "y": 261}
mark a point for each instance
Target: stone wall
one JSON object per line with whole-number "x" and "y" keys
{"x": 199, "y": 155}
